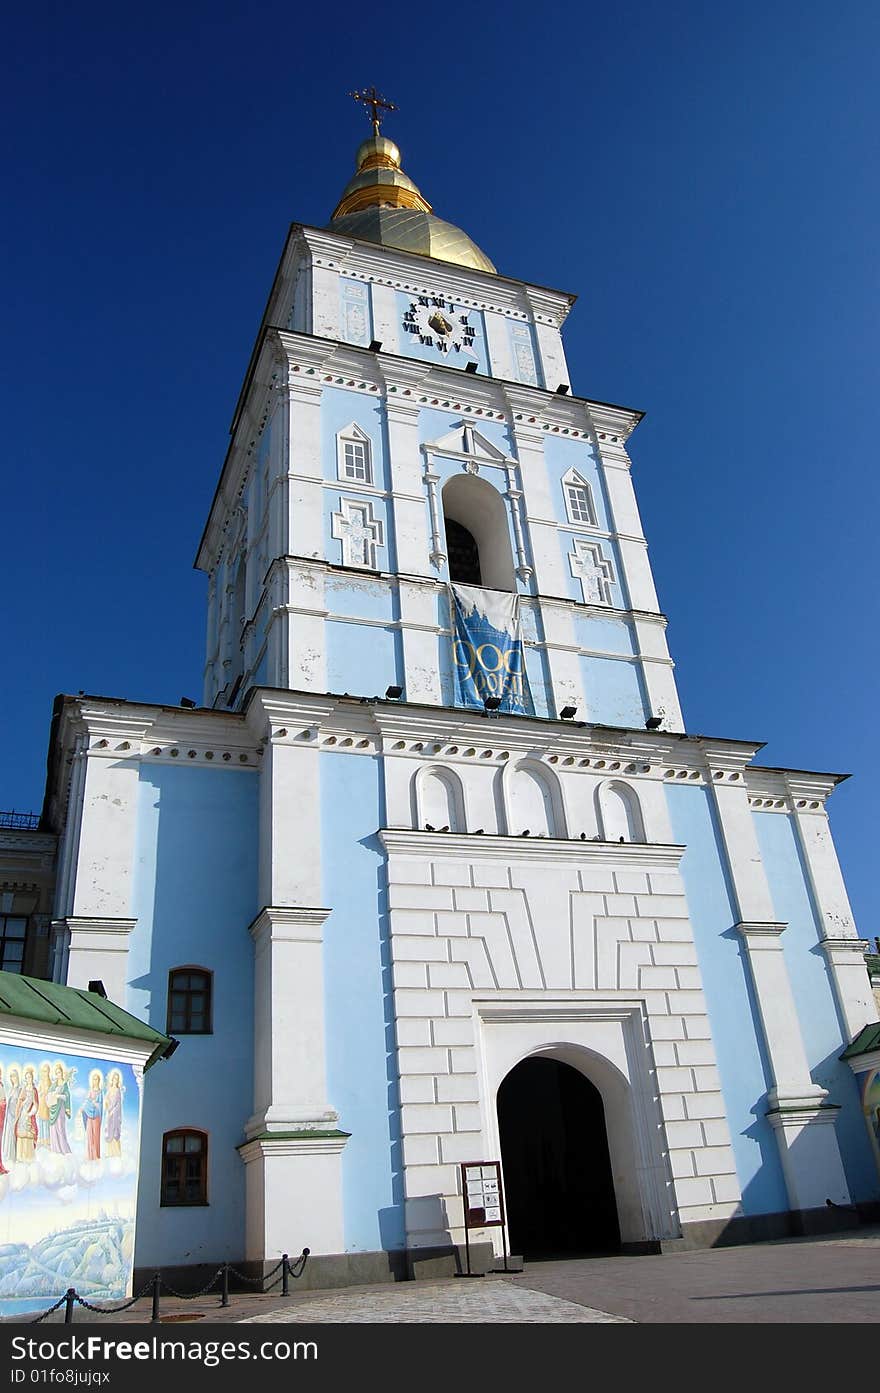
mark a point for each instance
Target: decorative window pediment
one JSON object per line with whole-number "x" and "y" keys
{"x": 354, "y": 455}
{"x": 579, "y": 505}
{"x": 360, "y": 533}
{"x": 466, "y": 443}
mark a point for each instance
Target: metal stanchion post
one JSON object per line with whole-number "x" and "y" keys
{"x": 224, "y": 1291}
{"x": 69, "y": 1299}
{"x": 285, "y": 1275}
{"x": 157, "y": 1288}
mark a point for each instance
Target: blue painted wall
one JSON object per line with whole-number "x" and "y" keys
{"x": 560, "y": 456}
{"x": 617, "y": 589}
{"x": 362, "y": 659}
{"x": 604, "y": 635}
{"x": 360, "y": 597}
{"x": 384, "y": 554}
{"x": 733, "y": 1015}
{"x": 361, "y": 1053}
{"x": 814, "y": 996}
{"x": 338, "y": 409}
{"x": 614, "y": 692}
{"x": 194, "y": 895}
{"x": 411, "y": 345}
{"x": 434, "y": 424}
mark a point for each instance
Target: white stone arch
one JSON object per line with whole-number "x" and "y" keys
{"x": 476, "y": 505}
{"x": 619, "y": 812}
{"x": 438, "y": 797}
{"x": 532, "y": 800}
{"x": 639, "y": 1210}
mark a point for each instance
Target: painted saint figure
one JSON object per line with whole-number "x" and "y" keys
{"x": 91, "y": 1113}
{"x": 3, "y": 1107}
{"x": 44, "y": 1084}
{"x": 26, "y": 1118}
{"x": 59, "y": 1109}
{"x": 7, "y": 1139}
{"x": 113, "y": 1113}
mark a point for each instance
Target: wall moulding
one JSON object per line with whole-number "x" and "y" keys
{"x": 449, "y": 845}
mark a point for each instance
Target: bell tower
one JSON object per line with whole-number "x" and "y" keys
{"x": 408, "y": 422}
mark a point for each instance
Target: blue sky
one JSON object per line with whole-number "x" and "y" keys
{"x": 703, "y": 176}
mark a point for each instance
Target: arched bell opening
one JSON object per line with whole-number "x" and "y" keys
{"x": 477, "y": 535}
{"x": 559, "y": 1184}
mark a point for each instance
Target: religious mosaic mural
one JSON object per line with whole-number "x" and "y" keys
{"x": 69, "y": 1132}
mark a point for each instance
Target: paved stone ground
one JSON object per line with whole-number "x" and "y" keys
{"x": 833, "y": 1279}
{"x": 482, "y": 1301}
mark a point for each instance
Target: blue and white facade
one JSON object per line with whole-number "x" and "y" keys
{"x": 675, "y": 924}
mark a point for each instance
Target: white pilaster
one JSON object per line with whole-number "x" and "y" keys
{"x": 385, "y": 318}
{"x": 844, "y": 951}
{"x": 658, "y": 672}
{"x": 566, "y": 673}
{"x": 498, "y": 344}
{"x": 406, "y": 470}
{"x": 293, "y": 1195}
{"x": 301, "y": 502}
{"x": 798, "y": 1112}
{"x": 289, "y": 1067}
{"x": 97, "y": 950}
{"x": 418, "y": 619}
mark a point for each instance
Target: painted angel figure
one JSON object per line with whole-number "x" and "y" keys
{"x": 113, "y": 1095}
{"x": 7, "y": 1140}
{"x": 26, "y": 1117}
{"x": 58, "y": 1099}
{"x": 44, "y": 1087}
{"x": 91, "y": 1113}
{"x": 3, "y": 1106}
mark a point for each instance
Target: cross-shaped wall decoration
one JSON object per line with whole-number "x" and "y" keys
{"x": 358, "y": 531}
{"x": 595, "y": 574}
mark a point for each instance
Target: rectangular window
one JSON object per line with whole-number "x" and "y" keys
{"x": 355, "y": 463}
{"x": 189, "y": 1002}
{"x": 185, "y": 1168}
{"x": 13, "y": 929}
{"x": 579, "y": 509}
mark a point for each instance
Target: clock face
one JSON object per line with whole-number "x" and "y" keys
{"x": 439, "y": 323}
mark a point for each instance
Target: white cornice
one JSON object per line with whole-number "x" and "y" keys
{"x": 450, "y": 845}
{"x": 420, "y": 275}
{"x": 113, "y": 927}
{"x": 61, "y": 1039}
{"x": 293, "y": 923}
{"x": 262, "y": 1148}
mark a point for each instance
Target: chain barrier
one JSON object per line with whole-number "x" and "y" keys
{"x": 57, "y": 1306}
{"x": 111, "y": 1310}
{"x": 285, "y": 1269}
{"x": 191, "y": 1295}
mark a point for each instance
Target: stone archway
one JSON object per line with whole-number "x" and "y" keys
{"x": 557, "y": 1168}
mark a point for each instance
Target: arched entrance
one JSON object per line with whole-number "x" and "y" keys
{"x": 557, "y": 1170}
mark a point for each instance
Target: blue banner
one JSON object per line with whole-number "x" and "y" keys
{"x": 487, "y": 650}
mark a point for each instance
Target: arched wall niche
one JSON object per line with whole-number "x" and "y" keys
{"x": 533, "y": 800}
{"x": 478, "y": 507}
{"x": 438, "y": 797}
{"x": 620, "y": 812}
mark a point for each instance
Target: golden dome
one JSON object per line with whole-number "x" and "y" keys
{"x": 382, "y": 204}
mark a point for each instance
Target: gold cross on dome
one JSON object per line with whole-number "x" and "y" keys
{"x": 370, "y": 97}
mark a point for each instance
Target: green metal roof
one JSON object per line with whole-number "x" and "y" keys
{"x": 868, "y": 1039}
{"x": 51, "y": 1004}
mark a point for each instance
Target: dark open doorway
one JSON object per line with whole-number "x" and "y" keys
{"x": 554, "y": 1146}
